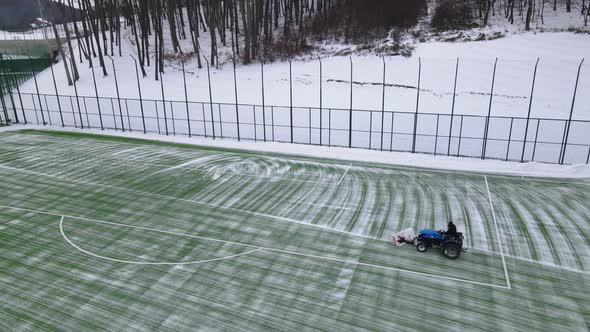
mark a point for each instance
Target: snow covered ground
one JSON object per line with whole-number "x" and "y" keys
{"x": 559, "y": 54}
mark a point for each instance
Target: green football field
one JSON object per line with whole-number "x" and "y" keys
{"x": 104, "y": 233}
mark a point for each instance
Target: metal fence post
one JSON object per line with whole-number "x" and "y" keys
{"x": 453, "y": 107}
{"x": 254, "y": 115}
{"x": 97, "y": 100}
{"x": 263, "y": 106}
{"x": 164, "y": 103}
{"x": 487, "y": 125}
{"x": 57, "y": 96}
{"x": 35, "y": 108}
{"x": 350, "y": 114}
{"x": 157, "y": 117}
{"x": 78, "y": 104}
{"x": 37, "y": 89}
{"x": 417, "y": 105}
{"x": 460, "y": 136}
{"x": 204, "y": 119}
{"x": 329, "y": 127}
{"x": 309, "y": 111}
{"x": 236, "y": 98}
{"x": 118, "y": 95}
{"x": 528, "y": 117}
{"x": 7, "y": 80}
{"x": 172, "y": 117}
{"x": 383, "y": 103}
{"x": 291, "y": 99}
{"x": 3, "y": 103}
{"x": 436, "y": 135}
{"x": 73, "y": 112}
{"x": 21, "y": 101}
{"x": 210, "y": 97}
{"x": 392, "y": 131}
{"x": 536, "y": 136}
{"x": 272, "y": 122}
{"x": 113, "y": 112}
{"x": 48, "y": 110}
{"x": 2, "y": 82}
{"x": 569, "y": 121}
{"x": 370, "y": 129}
{"x": 11, "y": 96}
{"x": 128, "y": 117}
{"x": 86, "y": 111}
{"x": 509, "y": 138}
{"x": 188, "y": 118}
{"x": 140, "y": 96}
{"x": 321, "y": 101}
{"x": 220, "y": 121}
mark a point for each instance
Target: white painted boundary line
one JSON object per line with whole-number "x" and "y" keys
{"x": 125, "y": 151}
{"x": 498, "y": 234}
{"x": 258, "y": 248}
{"x": 63, "y": 234}
{"x": 343, "y": 175}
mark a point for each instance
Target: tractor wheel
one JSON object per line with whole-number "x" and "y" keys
{"x": 421, "y": 246}
{"x": 451, "y": 251}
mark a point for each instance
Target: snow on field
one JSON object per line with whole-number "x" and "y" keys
{"x": 362, "y": 155}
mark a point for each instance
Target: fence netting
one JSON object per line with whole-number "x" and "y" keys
{"x": 494, "y": 137}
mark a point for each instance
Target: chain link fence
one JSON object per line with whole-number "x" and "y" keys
{"x": 521, "y": 139}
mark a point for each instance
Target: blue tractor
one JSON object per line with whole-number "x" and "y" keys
{"x": 451, "y": 245}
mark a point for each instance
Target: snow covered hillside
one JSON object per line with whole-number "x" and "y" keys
{"x": 422, "y": 82}
{"x": 559, "y": 54}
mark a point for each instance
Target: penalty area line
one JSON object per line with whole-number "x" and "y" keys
{"x": 257, "y": 248}
{"x": 497, "y": 233}
{"x": 70, "y": 242}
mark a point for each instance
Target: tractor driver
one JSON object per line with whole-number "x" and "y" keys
{"x": 451, "y": 229}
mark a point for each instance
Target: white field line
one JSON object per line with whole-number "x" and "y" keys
{"x": 258, "y": 248}
{"x": 270, "y": 216}
{"x": 343, "y": 175}
{"x": 124, "y": 151}
{"x": 497, "y": 233}
{"x": 324, "y": 206}
{"x": 63, "y": 234}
